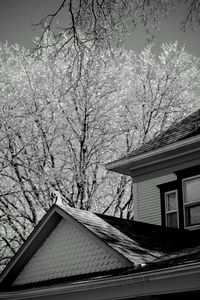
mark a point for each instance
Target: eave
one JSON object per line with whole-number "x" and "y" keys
{"x": 168, "y": 281}
{"x": 161, "y": 161}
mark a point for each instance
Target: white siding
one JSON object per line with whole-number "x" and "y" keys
{"x": 148, "y": 199}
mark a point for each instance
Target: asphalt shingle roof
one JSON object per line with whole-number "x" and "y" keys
{"x": 140, "y": 242}
{"x": 129, "y": 247}
{"x": 68, "y": 252}
{"x": 182, "y": 257}
{"x": 155, "y": 237}
{"x": 146, "y": 246}
{"x": 189, "y": 126}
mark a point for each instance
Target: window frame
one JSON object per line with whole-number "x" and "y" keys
{"x": 165, "y": 188}
{"x": 191, "y": 227}
{"x": 171, "y": 211}
{"x": 182, "y": 175}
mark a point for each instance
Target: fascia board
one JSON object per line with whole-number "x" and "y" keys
{"x": 135, "y": 280}
{"x": 139, "y": 157}
{"x": 159, "y": 160}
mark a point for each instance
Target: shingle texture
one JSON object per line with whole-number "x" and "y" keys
{"x": 182, "y": 257}
{"x": 190, "y": 126}
{"x": 68, "y": 251}
{"x": 151, "y": 237}
{"x": 87, "y": 243}
{"x": 128, "y": 246}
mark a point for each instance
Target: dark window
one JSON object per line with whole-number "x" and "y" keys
{"x": 171, "y": 209}
{"x": 191, "y": 201}
{"x": 180, "y": 200}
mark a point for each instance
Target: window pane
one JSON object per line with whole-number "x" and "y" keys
{"x": 192, "y": 190}
{"x": 171, "y": 203}
{"x": 192, "y": 215}
{"x": 172, "y": 220}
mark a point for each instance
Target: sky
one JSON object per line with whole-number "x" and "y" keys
{"x": 16, "y": 17}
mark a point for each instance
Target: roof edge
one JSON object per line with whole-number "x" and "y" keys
{"x": 44, "y": 227}
{"x": 37, "y": 237}
{"x": 137, "y": 279}
{"x": 137, "y": 157}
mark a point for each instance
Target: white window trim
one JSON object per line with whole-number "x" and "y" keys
{"x": 171, "y": 211}
{"x": 183, "y": 191}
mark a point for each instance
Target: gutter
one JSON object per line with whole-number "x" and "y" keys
{"x": 137, "y": 157}
{"x": 140, "y": 281}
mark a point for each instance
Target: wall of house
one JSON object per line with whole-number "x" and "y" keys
{"x": 147, "y": 199}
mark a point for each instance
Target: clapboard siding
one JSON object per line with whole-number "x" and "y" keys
{"x": 148, "y": 199}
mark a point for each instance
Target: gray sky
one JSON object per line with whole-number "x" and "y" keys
{"x": 16, "y": 17}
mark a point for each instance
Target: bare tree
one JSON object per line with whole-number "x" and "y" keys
{"x": 52, "y": 138}
{"x": 99, "y": 24}
{"x": 56, "y": 133}
{"x": 106, "y": 23}
{"x": 89, "y": 112}
{"x": 154, "y": 93}
{"x": 192, "y": 15}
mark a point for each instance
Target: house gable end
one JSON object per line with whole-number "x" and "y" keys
{"x": 30, "y": 246}
{"x": 66, "y": 249}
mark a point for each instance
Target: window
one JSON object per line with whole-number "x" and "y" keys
{"x": 180, "y": 200}
{"x": 191, "y": 201}
{"x": 171, "y": 209}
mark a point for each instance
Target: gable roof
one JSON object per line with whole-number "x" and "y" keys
{"x": 113, "y": 244}
{"x": 69, "y": 251}
{"x": 55, "y": 242}
{"x": 124, "y": 244}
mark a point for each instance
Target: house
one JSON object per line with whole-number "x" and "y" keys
{"x": 75, "y": 254}
{"x": 166, "y": 172}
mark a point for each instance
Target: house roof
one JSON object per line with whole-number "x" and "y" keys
{"x": 165, "y": 153}
{"x": 134, "y": 250}
{"x": 179, "y": 247}
{"x": 69, "y": 249}
{"x": 152, "y": 237}
{"x": 188, "y": 127}
{"x": 97, "y": 245}
{"x": 183, "y": 257}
